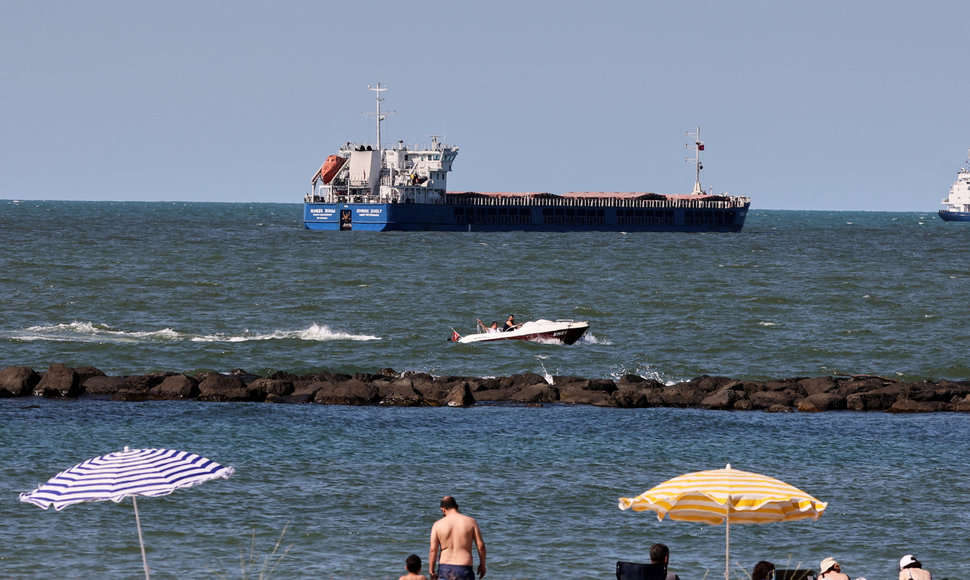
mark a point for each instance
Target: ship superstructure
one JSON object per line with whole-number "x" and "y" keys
{"x": 958, "y": 201}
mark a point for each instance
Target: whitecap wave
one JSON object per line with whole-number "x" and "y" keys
{"x": 589, "y": 338}
{"x": 79, "y": 331}
{"x": 315, "y": 332}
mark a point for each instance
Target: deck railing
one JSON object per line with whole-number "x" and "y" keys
{"x": 733, "y": 202}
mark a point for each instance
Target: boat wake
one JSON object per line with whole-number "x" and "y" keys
{"x": 316, "y": 332}
{"x": 589, "y": 338}
{"x": 90, "y": 332}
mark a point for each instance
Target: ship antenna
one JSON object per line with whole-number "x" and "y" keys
{"x": 697, "y": 146}
{"x": 380, "y": 116}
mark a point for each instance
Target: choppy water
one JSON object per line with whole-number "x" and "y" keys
{"x": 357, "y": 488}
{"x": 136, "y": 287}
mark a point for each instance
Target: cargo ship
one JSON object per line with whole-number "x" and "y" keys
{"x": 366, "y": 187}
{"x": 958, "y": 202}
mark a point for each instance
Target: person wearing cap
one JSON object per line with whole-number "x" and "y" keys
{"x": 911, "y": 568}
{"x": 829, "y": 569}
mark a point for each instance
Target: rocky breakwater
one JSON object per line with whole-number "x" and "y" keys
{"x": 390, "y": 388}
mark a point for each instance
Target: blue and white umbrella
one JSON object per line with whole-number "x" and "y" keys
{"x": 128, "y": 473}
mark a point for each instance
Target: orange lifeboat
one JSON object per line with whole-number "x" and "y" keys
{"x": 330, "y": 167}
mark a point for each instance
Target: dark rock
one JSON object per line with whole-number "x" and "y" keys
{"x": 352, "y": 392}
{"x": 103, "y": 385}
{"x": 17, "y": 381}
{"x": 945, "y": 391}
{"x": 962, "y": 406}
{"x": 710, "y": 384}
{"x": 816, "y": 385}
{"x": 721, "y": 400}
{"x": 176, "y": 387}
{"x": 282, "y": 376}
{"x": 291, "y": 399}
{"x": 824, "y": 402}
{"x": 911, "y": 406}
{"x": 629, "y": 398}
{"x": 689, "y": 394}
{"x": 246, "y": 376}
{"x": 144, "y": 383}
{"x": 495, "y": 395}
{"x": 877, "y": 400}
{"x": 58, "y": 381}
{"x": 130, "y": 395}
{"x": 536, "y": 393}
{"x": 862, "y": 385}
{"x": 259, "y": 389}
{"x": 633, "y": 379}
{"x": 575, "y": 394}
{"x": 85, "y": 373}
{"x": 219, "y": 387}
{"x": 388, "y": 387}
{"x": 766, "y": 399}
{"x": 398, "y": 393}
{"x": 460, "y": 396}
{"x": 484, "y": 384}
{"x": 743, "y": 405}
{"x": 308, "y": 389}
{"x": 526, "y": 380}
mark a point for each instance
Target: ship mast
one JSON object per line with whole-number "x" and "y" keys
{"x": 697, "y": 147}
{"x": 378, "y": 90}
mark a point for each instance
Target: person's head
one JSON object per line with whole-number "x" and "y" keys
{"x": 908, "y": 561}
{"x": 828, "y": 564}
{"x": 448, "y": 503}
{"x": 659, "y": 553}
{"x": 763, "y": 571}
{"x": 494, "y": 324}
{"x": 512, "y": 317}
{"x": 413, "y": 564}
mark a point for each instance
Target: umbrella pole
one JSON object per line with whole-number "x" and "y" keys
{"x": 141, "y": 542}
{"x": 727, "y": 543}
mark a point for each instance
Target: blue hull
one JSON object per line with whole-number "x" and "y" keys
{"x": 955, "y": 216}
{"x": 375, "y": 217}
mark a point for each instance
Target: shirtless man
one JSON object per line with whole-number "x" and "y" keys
{"x": 453, "y": 535}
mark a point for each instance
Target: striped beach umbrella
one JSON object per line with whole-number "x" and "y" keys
{"x": 128, "y": 473}
{"x": 726, "y": 495}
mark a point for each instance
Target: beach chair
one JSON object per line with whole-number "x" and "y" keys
{"x": 794, "y": 574}
{"x": 632, "y": 571}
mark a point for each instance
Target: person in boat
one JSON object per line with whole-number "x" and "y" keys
{"x": 492, "y": 328}
{"x": 510, "y": 324}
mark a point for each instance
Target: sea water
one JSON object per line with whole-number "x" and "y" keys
{"x": 141, "y": 287}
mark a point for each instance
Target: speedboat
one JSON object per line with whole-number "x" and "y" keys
{"x": 566, "y": 331}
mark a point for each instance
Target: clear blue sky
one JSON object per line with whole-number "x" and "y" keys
{"x": 837, "y": 105}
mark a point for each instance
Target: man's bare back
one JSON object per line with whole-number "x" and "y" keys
{"x": 454, "y": 535}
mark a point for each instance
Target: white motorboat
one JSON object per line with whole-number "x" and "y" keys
{"x": 566, "y": 331}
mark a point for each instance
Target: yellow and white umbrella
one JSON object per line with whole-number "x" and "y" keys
{"x": 726, "y": 495}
